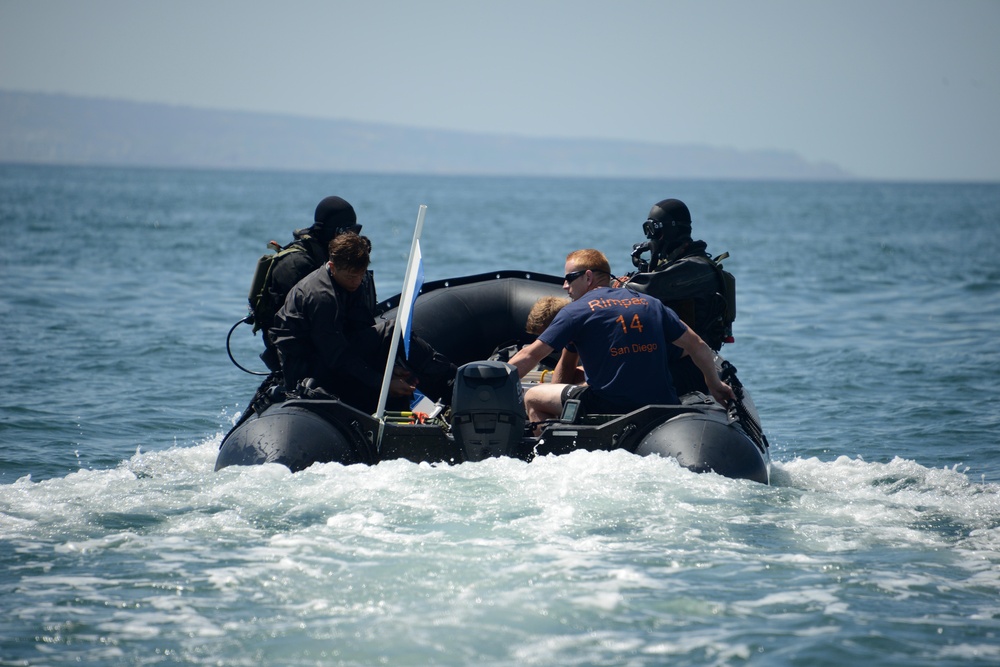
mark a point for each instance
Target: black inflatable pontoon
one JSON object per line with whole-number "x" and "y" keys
{"x": 472, "y": 320}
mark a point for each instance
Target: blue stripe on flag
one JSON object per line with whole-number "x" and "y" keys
{"x": 416, "y": 291}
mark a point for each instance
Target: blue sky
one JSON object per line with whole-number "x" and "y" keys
{"x": 888, "y": 89}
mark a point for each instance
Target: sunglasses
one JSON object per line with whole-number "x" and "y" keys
{"x": 570, "y": 277}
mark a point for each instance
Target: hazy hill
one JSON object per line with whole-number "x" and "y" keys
{"x": 62, "y": 129}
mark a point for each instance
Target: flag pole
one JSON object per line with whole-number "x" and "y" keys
{"x": 403, "y": 313}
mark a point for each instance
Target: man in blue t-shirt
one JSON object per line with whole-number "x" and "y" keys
{"x": 621, "y": 337}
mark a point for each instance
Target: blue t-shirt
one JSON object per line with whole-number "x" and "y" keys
{"x": 623, "y": 339}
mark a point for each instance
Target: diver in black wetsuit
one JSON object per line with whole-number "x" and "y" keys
{"x": 682, "y": 274}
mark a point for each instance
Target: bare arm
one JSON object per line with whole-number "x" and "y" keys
{"x": 703, "y": 357}
{"x": 529, "y": 356}
{"x": 566, "y": 368}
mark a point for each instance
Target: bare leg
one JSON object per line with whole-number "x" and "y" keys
{"x": 543, "y": 401}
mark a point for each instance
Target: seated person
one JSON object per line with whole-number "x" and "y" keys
{"x": 539, "y": 318}
{"x": 326, "y": 331}
{"x": 622, "y": 338}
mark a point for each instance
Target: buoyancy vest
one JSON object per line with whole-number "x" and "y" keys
{"x": 699, "y": 290}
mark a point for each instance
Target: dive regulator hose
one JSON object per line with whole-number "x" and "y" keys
{"x": 229, "y": 350}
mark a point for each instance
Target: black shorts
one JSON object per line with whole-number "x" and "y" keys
{"x": 592, "y": 403}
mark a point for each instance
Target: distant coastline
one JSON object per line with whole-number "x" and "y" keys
{"x": 37, "y": 128}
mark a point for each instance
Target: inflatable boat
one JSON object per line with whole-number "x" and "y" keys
{"x": 478, "y": 322}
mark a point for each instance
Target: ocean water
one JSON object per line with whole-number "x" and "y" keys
{"x": 867, "y": 317}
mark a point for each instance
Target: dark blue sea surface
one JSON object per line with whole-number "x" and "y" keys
{"x": 867, "y": 317}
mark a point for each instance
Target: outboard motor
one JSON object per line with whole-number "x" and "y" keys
{"x": 487, "y": 410}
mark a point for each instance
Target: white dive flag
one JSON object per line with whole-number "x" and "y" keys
{"x": 412, "y": 282}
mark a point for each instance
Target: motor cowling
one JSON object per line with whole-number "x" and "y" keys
{"x": 487, "y": 410}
